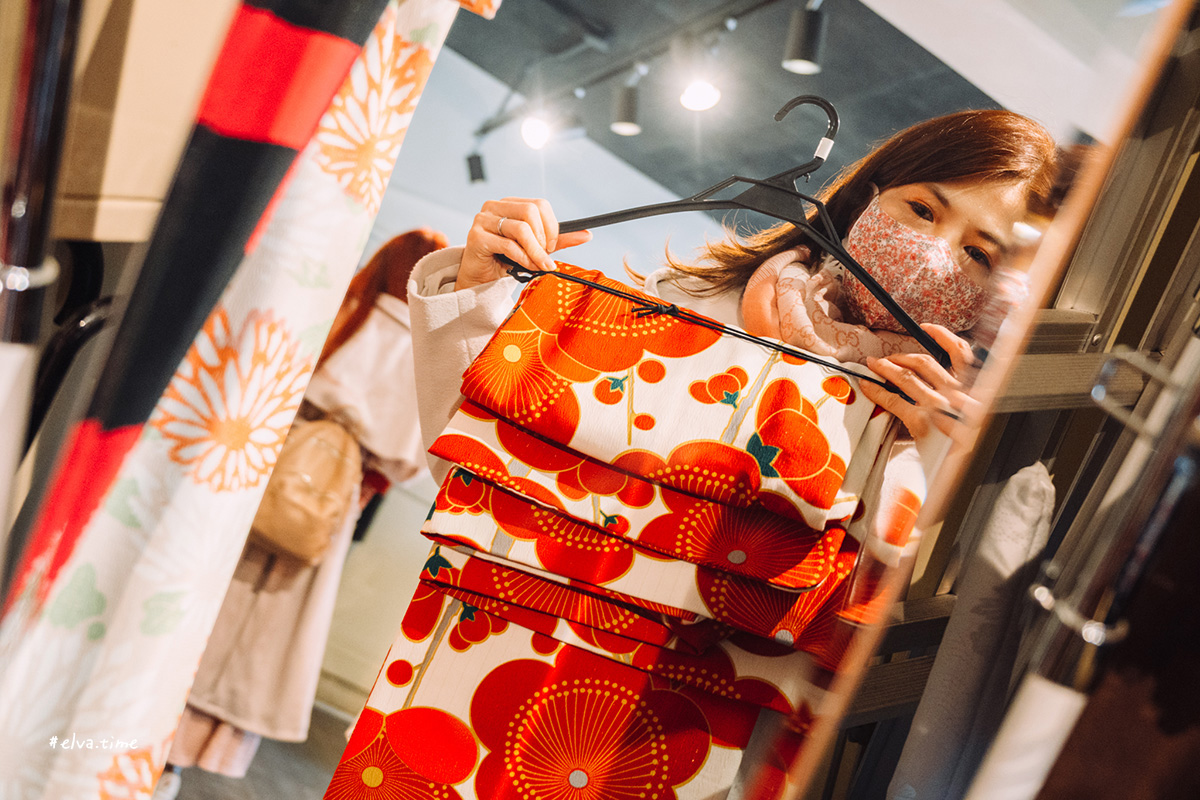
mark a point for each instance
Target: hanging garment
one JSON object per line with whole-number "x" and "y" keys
{"x": 564, "y": 634}
{"x": 114, "y": 651}
{"x": 963, "y": 703}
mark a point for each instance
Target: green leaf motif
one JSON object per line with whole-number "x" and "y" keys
{"x": 764, "y": 454}
{"x": 96, "y": 631}
{"x": 118, "y": 502}
{"x": 432, "y": 509}
{"x": 730, "y": 399}
{"x": 437, "y": 563}
{"x": 427, "y": 36}
{"x": 468, "y": 613}
{"x": 79, "y": 599}
{"x": 312, "y": 338}
{"x": 311, "y": 274}
{"x": 163, "y": 613}
{"x": 616, "y": 384}
{"x": 610, "y": 519}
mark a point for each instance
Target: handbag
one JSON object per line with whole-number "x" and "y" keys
{"x": 310, "y": 492}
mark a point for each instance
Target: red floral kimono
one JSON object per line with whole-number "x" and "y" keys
{"x": 644, "y": 552}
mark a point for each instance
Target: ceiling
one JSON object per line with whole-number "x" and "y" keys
{"x": 878, "y": 79}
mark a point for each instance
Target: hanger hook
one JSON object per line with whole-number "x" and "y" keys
{"x": 812, "y": 99}
{"x": 791, "y": 176}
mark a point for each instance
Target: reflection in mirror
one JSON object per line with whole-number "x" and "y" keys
{"x": 729, "y": 653}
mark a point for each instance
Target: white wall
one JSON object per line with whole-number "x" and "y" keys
{"x": 1066, "y": 63}
{"x": 379, "y": 578}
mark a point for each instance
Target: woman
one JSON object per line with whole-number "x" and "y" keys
{"x": 965, "y": 178}
{"x": 930, "y": 213}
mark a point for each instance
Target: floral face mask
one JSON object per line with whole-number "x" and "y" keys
{"x": 917, "y": 269}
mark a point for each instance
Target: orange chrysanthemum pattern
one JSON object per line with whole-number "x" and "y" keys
{"x": 583, "y": 728}
{"x": 130, "y": 776}
{"x": 360, "y": 137}
{"x": 389, "y": 757}
{"x": 484, "y": 8}
{"x": 230, "y": 404}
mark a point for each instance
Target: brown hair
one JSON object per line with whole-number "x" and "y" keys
{"x": 987, "y": 146}
{"x": 386, "y": 273}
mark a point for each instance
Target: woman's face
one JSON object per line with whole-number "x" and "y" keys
{"x": 976, "y": 219}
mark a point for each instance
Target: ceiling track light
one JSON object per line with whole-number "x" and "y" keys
{"x": 700, "y": 95}
{"x": 536, "y": 131}
{"x": 625, "y": 122}
{"x": 625, "y": 103}
{"x": 805, "y": 40}
{"x": 475, "y": 168}
{"x": 694, "y": 57}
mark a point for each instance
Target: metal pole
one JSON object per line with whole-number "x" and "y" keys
{"x": 33, "y": 155}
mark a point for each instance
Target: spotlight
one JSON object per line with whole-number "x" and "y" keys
{"x": 694, "y": 57}
{"x": 475, "y": 168}
{"x": 625, "y": 112}
{"x": 625, "y": 103}
{"x": 535, "y": 131}
{"x": 700, "y": 95}
{"x": 805, "y": 38}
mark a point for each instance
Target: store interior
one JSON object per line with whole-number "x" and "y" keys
{"x": 586, "y": 105}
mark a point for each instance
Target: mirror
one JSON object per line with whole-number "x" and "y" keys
{"x": 885, "y": 65}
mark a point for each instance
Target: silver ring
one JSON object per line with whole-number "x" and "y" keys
{"x": 500, "y": 226}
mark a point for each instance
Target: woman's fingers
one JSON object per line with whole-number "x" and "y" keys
{"x": 961, "y": 357}
{"x": 940, "y": 398}
{"x": 520, "y": 209}
{"x": 502, "y": 245}
{"x": 572, "y": 239}
{"x": 519, "y": 220}
{"x": 521, "y": 233}
{"x": 523, "y": 229}
{"x": 916, "y": 420}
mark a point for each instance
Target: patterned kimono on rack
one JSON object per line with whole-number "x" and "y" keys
{"x": 646, "y": 548}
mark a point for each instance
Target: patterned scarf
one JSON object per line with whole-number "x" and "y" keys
{"x": 785, "y": 300}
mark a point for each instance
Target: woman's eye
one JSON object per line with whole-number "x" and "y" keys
{"x": 979, "y": 257}
{"x": 921, "y": 210}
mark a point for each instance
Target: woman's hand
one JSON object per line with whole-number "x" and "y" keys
{"x": 935, "y": 390}
{"x": 523, "y": 229}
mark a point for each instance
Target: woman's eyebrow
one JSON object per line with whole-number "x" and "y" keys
{"x": 995, "y": 240}
{"x": 987, "y": 236}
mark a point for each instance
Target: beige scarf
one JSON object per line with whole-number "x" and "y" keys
{"x": 785, "y": 300}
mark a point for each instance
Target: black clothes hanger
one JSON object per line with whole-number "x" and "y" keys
{"x": 777, "y": 197}
{"x": 643, "y": 307}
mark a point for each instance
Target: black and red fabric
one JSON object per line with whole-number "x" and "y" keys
{"x": 274, "y": 77}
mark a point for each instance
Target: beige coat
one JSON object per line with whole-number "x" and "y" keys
{"x": 262, "y": 662}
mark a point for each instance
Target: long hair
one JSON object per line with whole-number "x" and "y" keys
{"x": 987, "y": 146}
{"x": 387, "y": 273}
